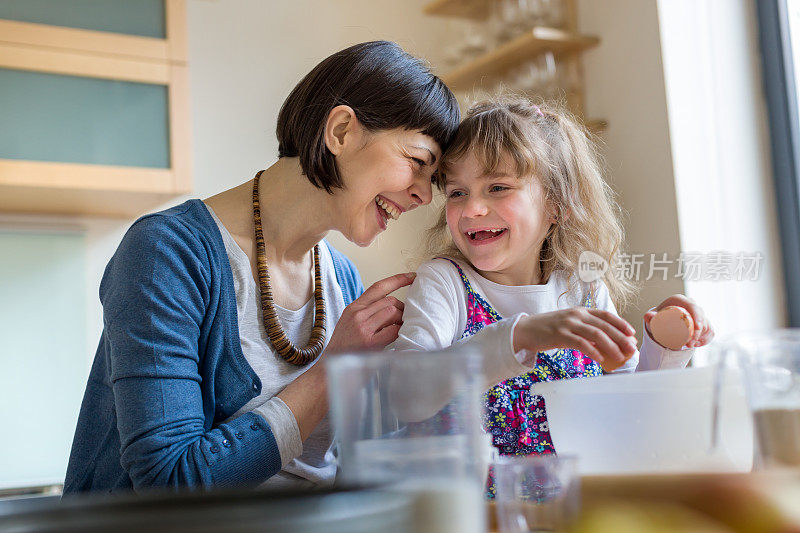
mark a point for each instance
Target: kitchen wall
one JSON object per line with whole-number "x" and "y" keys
{"x": 625, "y": 85}
{"x": 245, "y": 56}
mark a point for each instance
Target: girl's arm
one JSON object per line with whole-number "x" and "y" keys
{"x": 652, "y": 355}
{"x": 434, "y": 317}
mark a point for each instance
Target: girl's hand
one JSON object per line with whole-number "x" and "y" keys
{"x": 601, "y": 335}
{"x": 373, "y": 320}
{"x": 703, "y": 331}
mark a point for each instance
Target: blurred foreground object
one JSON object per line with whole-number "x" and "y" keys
{"x": 410, "y": 422}
{"x": 353, "y": 511}
{"x": 771, "y": 370}
{"x": 762, "y": 502}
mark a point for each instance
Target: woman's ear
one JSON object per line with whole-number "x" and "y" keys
{"x": 340, "y": 124}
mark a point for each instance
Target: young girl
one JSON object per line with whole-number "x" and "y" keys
{"x": 524, "y": 198}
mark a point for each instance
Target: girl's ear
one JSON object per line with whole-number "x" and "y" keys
{"x": 339, "y": 128}
{"x": 557, "y": 215}
{"x": 561, "y": 217}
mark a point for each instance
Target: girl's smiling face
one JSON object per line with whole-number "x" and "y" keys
{"x": 497, "y": 220}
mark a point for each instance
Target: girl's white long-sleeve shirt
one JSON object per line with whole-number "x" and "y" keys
{"x": 435, "y": 317}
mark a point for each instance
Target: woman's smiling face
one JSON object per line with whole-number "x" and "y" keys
{"x": 385, "y": 174}
{"x": 497, "y": 220}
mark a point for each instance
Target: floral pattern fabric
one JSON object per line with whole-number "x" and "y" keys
{"x": 515, "y": 418}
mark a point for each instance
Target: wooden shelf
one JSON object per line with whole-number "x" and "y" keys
{"x": 497, "y": 61}
{"x": 467, "y": 9}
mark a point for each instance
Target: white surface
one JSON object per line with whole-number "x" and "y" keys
{"x": 649, "y": 422}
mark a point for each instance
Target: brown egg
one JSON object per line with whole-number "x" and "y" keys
{"x": 672, "y": 327}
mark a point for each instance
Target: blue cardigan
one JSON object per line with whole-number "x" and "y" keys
{"x": 170, "y": 368}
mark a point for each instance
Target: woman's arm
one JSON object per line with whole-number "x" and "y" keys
{"x": 370, "y": 322}
{"x": 155, "y": 294}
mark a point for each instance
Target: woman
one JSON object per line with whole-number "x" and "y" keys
{"x": 215, "y": 313}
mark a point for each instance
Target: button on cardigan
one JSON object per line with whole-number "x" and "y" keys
{"x": 169, "y": 367}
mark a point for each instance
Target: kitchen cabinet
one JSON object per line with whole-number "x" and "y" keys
{"x": 95, "y": 118}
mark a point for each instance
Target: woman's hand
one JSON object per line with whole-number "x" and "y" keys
{"x": 703, "y": 331}
{"x": 373, "y": 320}
{"x": 601, "y": 335}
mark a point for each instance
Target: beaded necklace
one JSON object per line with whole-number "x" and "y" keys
{"x": 277, "y": 336}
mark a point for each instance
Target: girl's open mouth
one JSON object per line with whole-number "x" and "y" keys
{"x": 485, "y": 236}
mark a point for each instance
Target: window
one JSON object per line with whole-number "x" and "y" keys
{"x": 779, "y": 38}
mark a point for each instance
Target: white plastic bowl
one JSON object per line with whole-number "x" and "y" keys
{"x": 650, "y": 422}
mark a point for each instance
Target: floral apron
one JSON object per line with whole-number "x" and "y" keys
{"x": 515, "y": 418}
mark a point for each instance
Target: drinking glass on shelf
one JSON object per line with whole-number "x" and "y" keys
{"x": 548, "y": 71}
{"x": 495, "y": 22}
{"x": 473, "y": 40}
{"x": 534, "y": 12}
{"x": 552, "y": 13}
{"x": 526, "y": 77}
{"x": 452, "y": 54}
{"x": 568, "y": 75}
{"x": 512, "y": 15}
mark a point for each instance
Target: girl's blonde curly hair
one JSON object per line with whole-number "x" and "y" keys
{"x": 546, "y": 142}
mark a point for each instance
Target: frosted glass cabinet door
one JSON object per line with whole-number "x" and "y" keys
{"x": 132, "y": 17}
{"x": 72, "y": 119}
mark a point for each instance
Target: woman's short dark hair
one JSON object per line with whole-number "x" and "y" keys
{"x": 386, "y": 87}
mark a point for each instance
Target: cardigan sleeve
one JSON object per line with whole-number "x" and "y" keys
{"x": 155, "y": 295}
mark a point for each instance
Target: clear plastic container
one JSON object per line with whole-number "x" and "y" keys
{"x": 410, "y": 421}
{"x": 536, "y": 493}
{"x": 650, "y": 422}
{"x": 770, "y": 364}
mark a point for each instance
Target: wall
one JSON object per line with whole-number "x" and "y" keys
{"x": 246, "y": 55}
{"x": 236, "y": 96}
{"x": 625, "y": 85}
